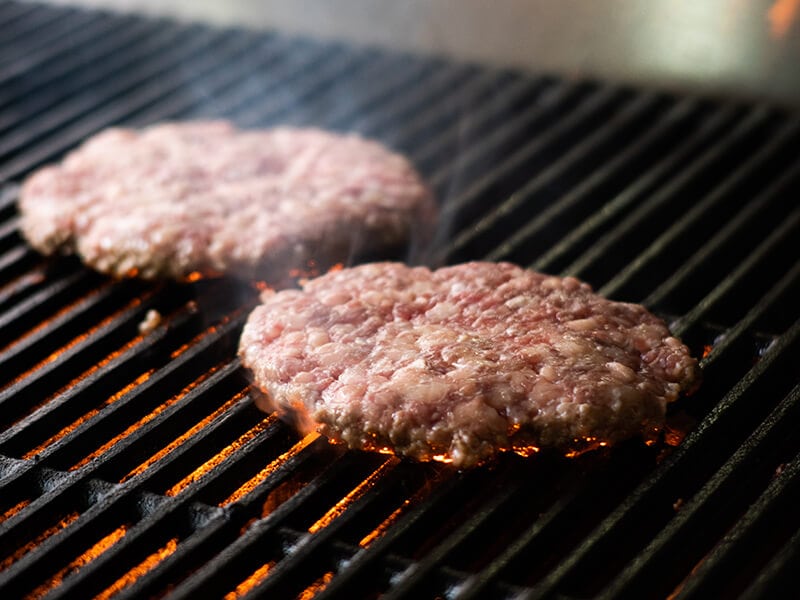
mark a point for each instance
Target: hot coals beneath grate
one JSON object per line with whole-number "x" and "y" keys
{"x": 133, "y": 463}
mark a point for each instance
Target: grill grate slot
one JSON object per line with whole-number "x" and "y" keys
{"x": 120, "y": 46}
{"x": 134, "y": 463}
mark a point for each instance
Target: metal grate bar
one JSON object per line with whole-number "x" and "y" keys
{"x": 309, "y": 558}
{"x": 488, "y": 122}
{"x": 153, "y": 437}
{"x": 710, "y": 440}
{"x": 27, "y": 27}
{"x": 45, "y": 341}
{"x": 477, "y": 585}
{"x": 293, "y": 61}
{"x": 416, "y": 579}
{"x": 512, "y": 172}
{"x": 744, "y": 273}
{"x": 679, "y": 240}
{"x": 528, "y": 200}
{"x": 699, "y": 521}
{"x": 149, "y": 87}
{"x": 20, "y": 59}
{"x": 407, "y": 105}
{"x": 448, "y": 579}
{"x": 268, "y": 54}
{"x": 339, "y": 105}
{"x": 742, "y": 549}
{"x": 724, "y": 238}
{"x": 735, "y": 334}
{"x": 534, "y": 235}
{"x": 205, "y": 543}
{"x": 303, "y": 89}
{"x": 47, "y": 302}
{"x": 444, "y": 122}
{"x": 584, "y": 235}
{"x": 166, "y": 513}
{"x": 17, "y": 261}
{"x": 167, "y": 381}
{"x": 51, "y": 376}
{"x": 601, "y": 260}
{"x": 72, "y": 404}
{"x": 240, "y": 558}
{"x": 121, "y": 45}
{"x": 92, "y": 519}
{"x": 778, "y": 574}
{"x": 13, "y": 12}
{"x": 86, "y": 103}
{"x": 353, "y": 578}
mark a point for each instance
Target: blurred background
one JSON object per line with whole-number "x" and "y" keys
{"x": 719, "y": 47}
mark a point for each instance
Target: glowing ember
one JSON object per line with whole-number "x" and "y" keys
{"x": 781, "y": 15}
{"x": 526, "y": 451}
{"x": 194, "y": 276}
{"x": 677, "y": 427}
{"x": 273, "y": 466}
{"x": 72, "y": 343}
{"x": 259, "y": 575}
{"x": 588, "y": 444}
{"x": 14, "y": 510}
{"x": 88, "y": 415}
{"x": 316, "y": 587}
{"x": 220, "y": 457}
{"x": 84, "y": 559}
{"x": 181, "y": 439}
{"x": 36, "y": 541}
{"x": 354, "y": 495}
{"x": 139, "y": 570}
{"x": 381, "y": 529}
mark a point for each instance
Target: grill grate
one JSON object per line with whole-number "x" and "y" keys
{"x": 135, "y": 464}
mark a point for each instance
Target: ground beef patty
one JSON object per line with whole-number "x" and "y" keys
{"x": 463, "y": 362}
{"x": 178, "y": 198}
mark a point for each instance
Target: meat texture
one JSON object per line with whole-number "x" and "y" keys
{"x": 462, "y": 362}
{"x": 180, "y": 198}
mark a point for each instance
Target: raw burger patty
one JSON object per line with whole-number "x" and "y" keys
{"x": 463, "y": 362}
{"x": 178, "y": 198}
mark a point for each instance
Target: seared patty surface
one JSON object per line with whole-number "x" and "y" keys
{"x": 179, "y": 198}
{"x": 463, "y": 362}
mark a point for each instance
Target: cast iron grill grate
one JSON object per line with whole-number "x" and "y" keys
{"x": 135, "y": 465}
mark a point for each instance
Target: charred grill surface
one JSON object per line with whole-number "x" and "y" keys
{"x": 134, "y": 464}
